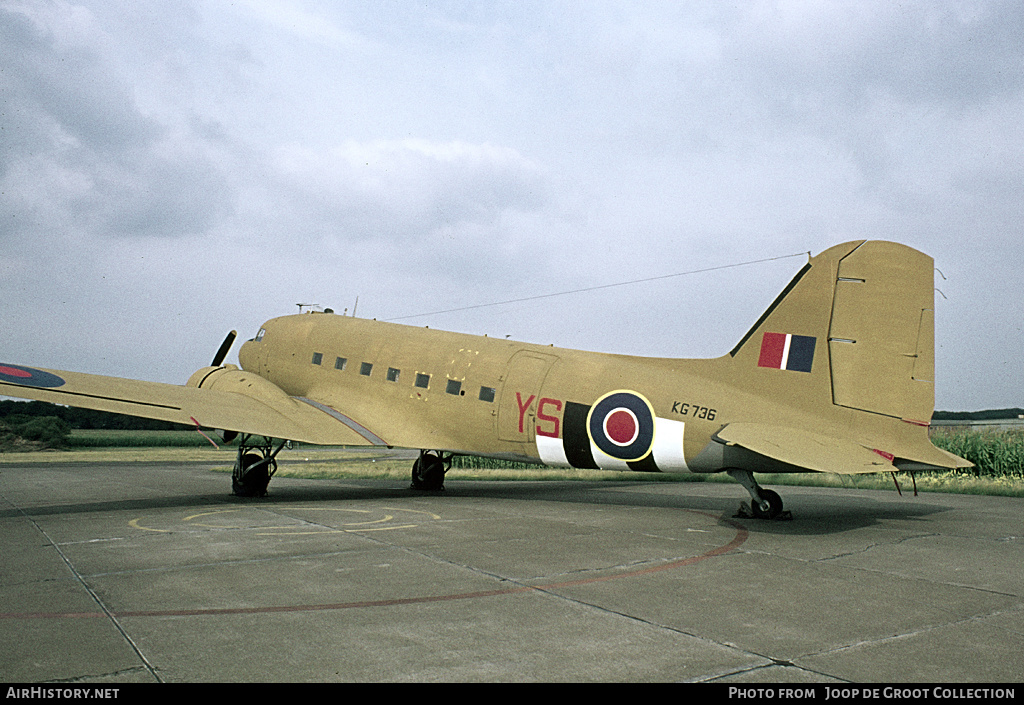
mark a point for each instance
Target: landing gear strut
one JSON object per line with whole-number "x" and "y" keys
{"x": 429, "y": 469}
{"x": 255, "y": 465}
{"x": 764, "y": 504}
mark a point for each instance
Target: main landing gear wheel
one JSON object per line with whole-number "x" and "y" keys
{"x": 429, "y": 469}
{"x": 255, "y": 465}
{"x": 252, "y": 475}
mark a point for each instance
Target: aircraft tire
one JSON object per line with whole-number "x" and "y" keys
{"x": 774, "y": 502}
{"x": 254, "y": 482}
{"x": 428, "y": 473}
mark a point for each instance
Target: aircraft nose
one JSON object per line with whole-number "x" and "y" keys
{"x": 247, "y": 356}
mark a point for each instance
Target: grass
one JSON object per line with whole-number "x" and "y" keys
{"x": 103, "y": 438}
{"x": 994, "y": 453}
{"x": 999, "y": 460}
{"x": 122, "y": 455}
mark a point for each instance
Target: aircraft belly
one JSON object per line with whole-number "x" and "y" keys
{"x": 607, "y": 462}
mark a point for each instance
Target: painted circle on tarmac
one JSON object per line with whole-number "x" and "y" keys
{"x": 28, "y": 377}
{"x": 621, "y": 424}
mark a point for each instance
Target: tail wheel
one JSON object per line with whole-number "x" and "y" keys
{"x": 774, "y": 502}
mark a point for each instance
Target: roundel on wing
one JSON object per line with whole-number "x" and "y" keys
{"x": 28, "y": 377}
{"x": 621, "y": 424}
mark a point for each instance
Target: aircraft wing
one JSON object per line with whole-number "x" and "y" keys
{"x": 233, "y": 400}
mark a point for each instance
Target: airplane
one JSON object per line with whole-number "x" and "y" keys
{"x": 837, "y": 376}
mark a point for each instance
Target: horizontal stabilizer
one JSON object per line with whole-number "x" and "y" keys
{"x": 805, "y": 449}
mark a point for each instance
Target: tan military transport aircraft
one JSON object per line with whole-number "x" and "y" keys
{"x": 837, "y": 376}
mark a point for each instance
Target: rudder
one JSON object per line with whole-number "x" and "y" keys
{"x": 882, "y": 335}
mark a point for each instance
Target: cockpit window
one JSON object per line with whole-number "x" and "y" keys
{"x": 259, "y": 336}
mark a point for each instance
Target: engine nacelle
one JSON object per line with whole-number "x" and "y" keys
{"x": 230, "y": 378}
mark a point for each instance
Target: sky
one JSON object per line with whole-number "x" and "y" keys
{"x": 173, "y": 170}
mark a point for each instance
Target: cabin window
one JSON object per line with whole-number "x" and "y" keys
{"x": 318, "y": 358}
{"x": 365, "y": 369}
{"x": 393, "y": 374}
{"x": 339, "y": 363}
{"x": 422, "y": 380}
{"x": 454, "y": 387}
{"x": 487, "y": 393}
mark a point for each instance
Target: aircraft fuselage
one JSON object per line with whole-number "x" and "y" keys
{"x": 500, "y": 398}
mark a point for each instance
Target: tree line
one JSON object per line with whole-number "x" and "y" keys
{"x": 986, "y": 415}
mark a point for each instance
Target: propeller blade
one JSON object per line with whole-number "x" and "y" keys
{"x": 224, "y": 347}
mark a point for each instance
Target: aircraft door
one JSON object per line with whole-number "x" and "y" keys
{"x": 520, "y": 392}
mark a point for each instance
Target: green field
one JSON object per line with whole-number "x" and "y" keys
{"x": 999, "y": 460}
{"x": 994, "y": 453}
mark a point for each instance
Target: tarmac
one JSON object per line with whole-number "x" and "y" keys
{"x": 133, "y": 573}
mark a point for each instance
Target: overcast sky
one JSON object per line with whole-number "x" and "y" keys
{"x": 172, "y": 170}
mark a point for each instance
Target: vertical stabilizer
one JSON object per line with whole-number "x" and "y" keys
{"x": 854, "y": 328}
{"x": 785, "y": 356}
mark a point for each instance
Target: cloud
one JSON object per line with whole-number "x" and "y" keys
{"x": 227, "y": 160}
{"x": 397, "y": 190}
{"x": 304, "y": 24}
{"x": 78, "y": 151}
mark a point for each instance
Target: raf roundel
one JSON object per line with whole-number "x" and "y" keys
{"x": 621, "y": 424}
{"x": 29, "y": 377}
